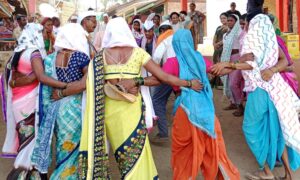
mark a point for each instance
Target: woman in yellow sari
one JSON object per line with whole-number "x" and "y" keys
{"x": 122, "y": 120}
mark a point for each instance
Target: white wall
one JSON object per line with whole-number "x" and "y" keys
{"x": 215, "y": 7}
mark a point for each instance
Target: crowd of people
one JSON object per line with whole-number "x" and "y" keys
{"x": 98, "y": 88}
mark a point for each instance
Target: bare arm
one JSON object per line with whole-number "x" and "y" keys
{"x": 38, "y": 69}
{"x": 280, "y": 66}
{"x": 19, "y": 80}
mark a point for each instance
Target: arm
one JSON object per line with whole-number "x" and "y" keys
{"x": 224, "y": 68}
{"x": 297, "y": 72}
{"x": 169, "y": 79}
{"x": 280, "y": 66}
{"x": 19, "y": 80}
{"x": 38, "y": 69}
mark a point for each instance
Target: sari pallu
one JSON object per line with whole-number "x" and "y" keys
{"x": 63, "y": 118}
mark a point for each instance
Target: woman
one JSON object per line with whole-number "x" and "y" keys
{"x": 174, "y": 19}
{"x": 137, "y": 31}
{"x": 197, "y": 142}
{"x": 233, "y": 83}
{"x": 124, "y": 121}
{"x": 63, "y": 117}
{"x": 22, "y": 116}
{"x": 218, "y": 45}
{"x": 156, "y": 21}
{"x": 271, "y": 125}
{"x": 48, "y": 35}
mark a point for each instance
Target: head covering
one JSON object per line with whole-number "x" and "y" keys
{"x": 105, "y": 15}
{"x": 192, "y": 66}
{"x": 72, "y": 36}
{"x": 138, "y": 35}
{"x": 85, "y": 14}
{"x": 73, "y": 17}
{"x": 165, "y": 23}
{"x": 32, "y": 39}
{"x": 117, "y": 33}
{"x": 148, "y": 25}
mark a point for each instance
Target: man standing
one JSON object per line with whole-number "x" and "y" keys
{"x": 149, "y": 40}
{"x": 88, "y": 21}
{"x": 197, "y": 28}
{"x": 22, "y": 21}
{"x": 233, "y": 10}
{"x": 161, "y": 94}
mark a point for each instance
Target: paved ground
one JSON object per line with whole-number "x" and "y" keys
{"x": 232, "y": 132}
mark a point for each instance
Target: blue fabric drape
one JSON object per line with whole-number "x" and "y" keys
{"x": 198, "y": 105}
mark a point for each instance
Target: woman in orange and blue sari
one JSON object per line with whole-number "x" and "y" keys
{"x": 197, "y": 141}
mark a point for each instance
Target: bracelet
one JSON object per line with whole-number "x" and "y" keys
{"x": 139, "y": 81}
{"x": 65, "y": 86}
{"x": 232, "y": 65}
{"x": 14, "y": 83}
{"x": 190, "y": 84}
{"x": 60, "y": 94}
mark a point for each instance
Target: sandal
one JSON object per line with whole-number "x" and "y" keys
{"x": 239, "y": 112}
{"x": 259, "y": 175}
{"x": 230, "y": 107}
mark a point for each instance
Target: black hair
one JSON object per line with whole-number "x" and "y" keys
{"x": 90, "y": 9}
{"x": 55, "y": 18}
{"x": 15, "y": 59}
{"x": 233, "y": 16}
{"x": 224, "y": 14}
{"x": 173, "y": 14}
{"x": 164, "y": 28}
{"x": 158, "y": 16}
{"x": 193, "y": 4}
{"x": 244, "y": 17}
{"x": 183, "y": 12}
{"x": 233, "y": 3}
{"x": 114, "y": 16}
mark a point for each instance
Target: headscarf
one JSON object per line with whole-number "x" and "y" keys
{"x": 198, "y": 105}
{"x": 85, "y": 14}
{"x": 32, "y": 39}
{"x": 73, "y": 37}
{"x": 117, "y": 33}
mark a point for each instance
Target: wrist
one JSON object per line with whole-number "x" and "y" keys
{"x": 189, "y": 84}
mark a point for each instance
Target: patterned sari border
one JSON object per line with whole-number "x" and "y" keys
{"x": 130, "y": 151}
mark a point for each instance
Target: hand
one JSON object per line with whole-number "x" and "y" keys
{"x": 128, "y": 84}
{"x": 217, "y": 68}
{"x": 267, "y": 74}
{"x": 55, "y": 96}
{"x": 196, "y": 85}
{"x": 247, "y": 57}
{"x": 134, "y": 91}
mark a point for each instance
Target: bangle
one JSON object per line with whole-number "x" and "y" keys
{"x": 60, "y": 94}
{"x": 190, "y": 84}
{"x": 65, "y": 86}
{"x": 232, "y": 65}
{"x": 14, "y": 83}
{"x": 139, "y": 81}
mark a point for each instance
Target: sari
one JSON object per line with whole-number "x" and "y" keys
{"x": 122, "y": 123}
{"x": 289, "y": 77}
{"x": 61, "y": 118}
{"x": 197, "y": 142}
{"x": 271, "y": 119}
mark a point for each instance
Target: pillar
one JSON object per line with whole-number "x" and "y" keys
{"x": 298, "y": 15}
{"x": 184, "y": 5}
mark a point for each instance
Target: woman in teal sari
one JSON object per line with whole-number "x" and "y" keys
{"x": 62, "y": 117}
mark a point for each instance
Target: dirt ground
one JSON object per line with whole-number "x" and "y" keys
{"x": 237, "y": 148}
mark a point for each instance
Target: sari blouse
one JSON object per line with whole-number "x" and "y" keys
{"x": 131, "y": 69}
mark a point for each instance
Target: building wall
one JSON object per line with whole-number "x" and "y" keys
{"x": 295, "y": 18}
{"x": 176, "y": 6}
{"x": 271, "y": 5}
